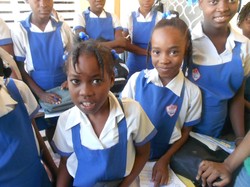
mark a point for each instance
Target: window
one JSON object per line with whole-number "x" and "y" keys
{"x": 15, "y": 10}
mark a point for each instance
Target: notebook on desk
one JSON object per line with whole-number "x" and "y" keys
{"x": 146, "y": 175}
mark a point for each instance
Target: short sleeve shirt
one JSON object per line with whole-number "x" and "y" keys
{"x": 21, "y": 40}
{"x": 5, "y": 36}
{"x": 140, "y": 131}
{"x": 190, "y": 112}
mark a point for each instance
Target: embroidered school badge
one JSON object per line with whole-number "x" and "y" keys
{"x": 196, "y": 74}
{"x": 171, "y": 110}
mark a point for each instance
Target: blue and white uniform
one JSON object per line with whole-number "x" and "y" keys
{"x": 140, "y": 29}
{"x": 5, "y": 37}
{"x": 20, "y": 163}
{"x": 169, "y": 107}
{"x": 109, "y": 157}
{"x": 219, "y": 76}
{"x": 96, "y": 27}
{"x": 43, "y": 51}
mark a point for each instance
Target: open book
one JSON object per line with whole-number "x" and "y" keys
{"x": 146, "y": 175}
{"x": 214, "y": 143}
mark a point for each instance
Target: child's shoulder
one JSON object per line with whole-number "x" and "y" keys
{"x": 191, "y": 87}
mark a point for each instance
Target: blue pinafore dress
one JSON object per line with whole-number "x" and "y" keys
{"x": 162, "y": 107}
{"x": 141, "y": 37}
{"x": 102, "y": 165}
{"x": 99, "y": 28}
{"x": 47, "y": 55}
{"x": 218, "y": 84}
{"x": 20, "y": 164}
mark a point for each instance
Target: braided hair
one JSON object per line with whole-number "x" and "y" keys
{"x": 245, "y": 11}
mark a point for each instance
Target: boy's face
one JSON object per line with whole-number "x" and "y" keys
{"x": 88, "y": 87}
{"x": 96, "y": 6}
{"x": 218, "y": 13}
{"x": 168, "y": 47}
{"x": 41, "y": 8}
{"x": 245, "y": 26}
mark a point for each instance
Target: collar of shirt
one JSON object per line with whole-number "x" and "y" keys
{"x": 77, "y": 116}
{"x": 49, "y": 27}
{"x": 153, "y": 76}
{"x": 7, "y": 104}
{"x": 141, "y": 18}
{"x": 93, "y": 15}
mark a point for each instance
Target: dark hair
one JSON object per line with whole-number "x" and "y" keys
{"x": 91, "y": 47}
{"x": 183, "y": 28}
{"x": 245, "y": 11}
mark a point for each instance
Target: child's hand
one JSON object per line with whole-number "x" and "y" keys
{"x": 209, "y": 172}
{"x": 160, "y": 175}
{"x": 51, "y": 98}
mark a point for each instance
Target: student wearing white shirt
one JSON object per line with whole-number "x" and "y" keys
{"x": 100, "y": 140}
{"x": 138, "y": 30}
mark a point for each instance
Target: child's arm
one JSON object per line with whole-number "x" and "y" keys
{"x": 64, "y": 179}
{"x": 45, "y": 155}
{"x": 142, "y": 155}
{"x": 209, "y": 171}
{"x": 160, "y": 174}
{"x": 133, "y": 48}
{"x": 236, "y": 112}
{"x": 41, "y": 94}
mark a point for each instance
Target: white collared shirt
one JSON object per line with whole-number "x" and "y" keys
{"x": 190, "y": 112}
{"x": 140, "y": 131}
{"x": 205, "y": 53}
{"x": 21, "y": 40}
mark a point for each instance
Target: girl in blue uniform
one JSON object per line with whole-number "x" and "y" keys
{"x": 99, "y": 24}
{"x": 244, "y": 24}
{"x": 138, "y": 31}
{"x": 40, "y": 42}
{"x": 102, "y": 141}
{"x": 171, "y": 101}
{"x": 20, "y": 156}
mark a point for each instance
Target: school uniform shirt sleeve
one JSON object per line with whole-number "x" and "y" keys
{"x": 28, "y": 98}
{"x": 116, "y": 22}
{"x": 5, "y": 37}
{"x": 79, "y": 21}
{"x": 129, "y": 88}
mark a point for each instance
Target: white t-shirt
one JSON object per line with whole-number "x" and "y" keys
{"x": 139, "y": 131}
{"x": 190, "y": 112}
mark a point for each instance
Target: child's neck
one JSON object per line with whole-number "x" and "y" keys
{"x": 144, "y": 12}
{"x": 97, "y": 13}
{"x": 40, "y": 23}
{"x": 218, "y": 37}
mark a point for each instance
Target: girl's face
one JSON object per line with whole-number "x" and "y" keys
{"x": 245, "y": 26}
{"x": 146, "y": 5}
{"x": 88, "y": 87}
{"x": 168, "y": 49}
{"x": 41, "y": 9}
{"x": 218, "y": 13}
{"x": 97, "y": 6}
